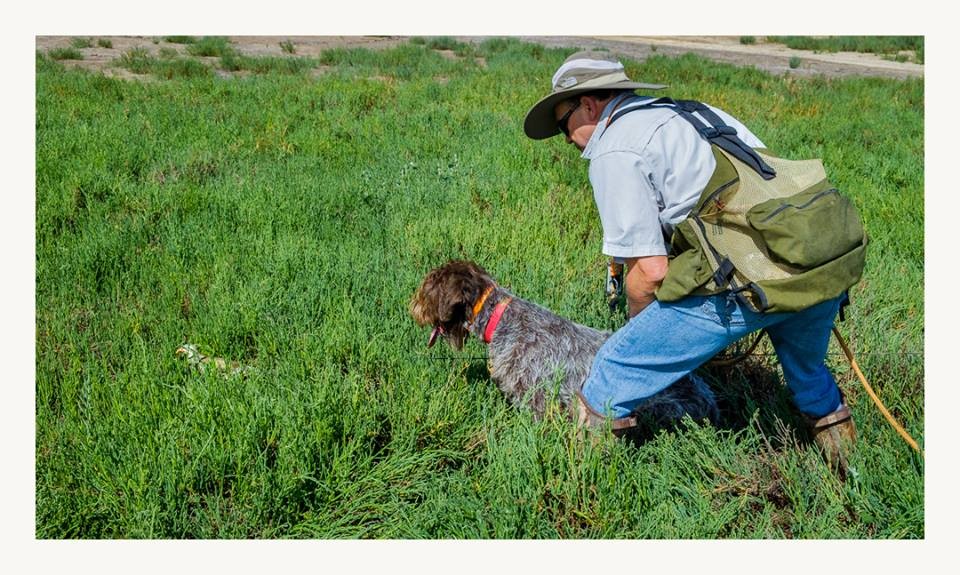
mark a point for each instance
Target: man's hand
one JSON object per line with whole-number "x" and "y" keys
{"x": 642, "y": 279}
{"x": 614, "y": 287}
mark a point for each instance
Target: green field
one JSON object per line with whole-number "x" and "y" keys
{"x": 283, "y": 218}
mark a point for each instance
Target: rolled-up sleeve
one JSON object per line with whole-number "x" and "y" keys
{"x": 628, "y": 205}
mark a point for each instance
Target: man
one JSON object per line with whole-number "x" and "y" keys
{"x": 648, "y": 169}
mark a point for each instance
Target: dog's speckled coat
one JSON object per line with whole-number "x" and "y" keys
{"x": 535, "y": 353}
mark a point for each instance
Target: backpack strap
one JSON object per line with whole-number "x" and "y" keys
{"x": 843, "y": 304}
{"x": 723, "y": 272}
{"x": 716, "y": 131}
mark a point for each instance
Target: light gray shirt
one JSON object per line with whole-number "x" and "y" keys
{"x": 647, "y": 170}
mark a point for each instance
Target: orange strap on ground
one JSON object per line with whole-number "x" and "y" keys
{"x": 856, "y": 369}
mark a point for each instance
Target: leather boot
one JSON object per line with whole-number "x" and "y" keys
{"x": 836, "y": 436}
{"x": 587, "y": 418}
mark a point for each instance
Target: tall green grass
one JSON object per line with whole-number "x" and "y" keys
{"x": 285, "y": 220}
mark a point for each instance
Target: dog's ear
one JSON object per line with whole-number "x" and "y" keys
{"x": 447, "y": 296}
{"x": 452, "y": 310}
{"x": 453, "y": 313}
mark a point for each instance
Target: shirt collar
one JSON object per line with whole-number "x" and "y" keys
{"x": 620, "y": 101}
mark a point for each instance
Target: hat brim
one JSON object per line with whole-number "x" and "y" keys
{"x": 540, "y": 122}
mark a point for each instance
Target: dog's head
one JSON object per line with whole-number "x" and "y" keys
{"x": 446, "y": 297}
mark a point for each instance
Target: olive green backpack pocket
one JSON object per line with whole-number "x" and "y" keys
{"x": 808, "y": 229}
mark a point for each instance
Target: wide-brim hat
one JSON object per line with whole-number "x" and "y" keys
{"x": 582, "y": 72}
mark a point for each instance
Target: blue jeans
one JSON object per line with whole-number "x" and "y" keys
{"x": 668, "y": 340}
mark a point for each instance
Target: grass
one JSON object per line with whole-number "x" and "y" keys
{"x": 890, "y": 46}
{"x": 169, "y": 63}
{"x": 167, "y": 66}
{"x": 210, "y": 46}
{"x": 65, "y": 54}
{"x": 179, "y": 39}
{"x": 234, "y": 62}
{"x": 284, "y": 221}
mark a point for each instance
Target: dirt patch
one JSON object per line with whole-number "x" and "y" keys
{"x": 774, "y": 58}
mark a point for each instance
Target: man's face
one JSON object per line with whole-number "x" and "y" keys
{"x": 574, "y": 120}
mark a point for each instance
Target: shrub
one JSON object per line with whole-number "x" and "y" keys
{"x": 138, "y": 60}
{"x": 65, "y": 54}
{"x": 182, "y": 68}
{"x": 210, "y": 46}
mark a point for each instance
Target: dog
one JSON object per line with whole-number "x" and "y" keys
{"x": 534, "y": 354}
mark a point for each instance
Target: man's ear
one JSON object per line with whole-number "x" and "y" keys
{"x": 592, "y": 106}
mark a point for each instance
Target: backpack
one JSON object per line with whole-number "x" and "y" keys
{"x": 774, "y": 232}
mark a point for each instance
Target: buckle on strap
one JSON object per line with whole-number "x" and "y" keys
{"x": 722, "y": 275}
{"x": 711, "y": 132}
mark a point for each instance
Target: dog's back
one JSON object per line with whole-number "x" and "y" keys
{"x": 536, "y": 354}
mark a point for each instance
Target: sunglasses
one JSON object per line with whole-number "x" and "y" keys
{"x": 565, "y": 119}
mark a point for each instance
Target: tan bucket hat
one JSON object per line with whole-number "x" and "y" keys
{"x": 582, "y": 72}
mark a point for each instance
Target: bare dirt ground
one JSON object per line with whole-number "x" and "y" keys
{"x": 774, "y": 58}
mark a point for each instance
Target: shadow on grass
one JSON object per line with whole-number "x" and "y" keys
{"x": 476, "y": 373}
{"x": 753, "y": 393}
{"x": 750, "y": 392}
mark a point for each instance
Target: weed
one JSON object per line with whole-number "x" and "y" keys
{"x": 169, "y": 65}
{"x": 105, "y": 43}
{"x": 182, "y": 68}
{"x": 80, "y": 43}
{"x": 138, "y": 60}
{"x": 795, "y": 61}
{"x": 444, "y": 43}
{"x": 179, "y": 39}
{"x": 235, "y": 62}
{"x": 65, "y": 54}
{"x": 288, "y": 47}
{"x": 748, "y": 40}
{"x": 210, "y": 46}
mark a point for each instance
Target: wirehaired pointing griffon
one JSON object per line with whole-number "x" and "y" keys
{"x": 534, "y": 353}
